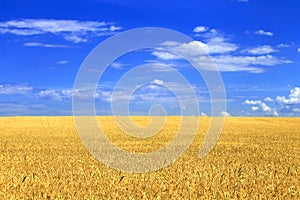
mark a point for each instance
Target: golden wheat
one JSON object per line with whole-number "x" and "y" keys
{"x": 255, "y": 158}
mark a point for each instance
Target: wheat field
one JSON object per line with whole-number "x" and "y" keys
{"x": 255, "y": 158}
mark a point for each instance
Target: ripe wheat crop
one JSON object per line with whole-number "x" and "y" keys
{"x": 255, "y": 158}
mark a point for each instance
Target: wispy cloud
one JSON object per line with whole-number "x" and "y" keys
{"x": 283, "y": 45}
{"x": 157, "y": 66}
{"x": 118, "y": 65}
{"x": 265, "y": 49}
{"x": 71, "y": 30}
{"x": 39, "y": 44}
{"x": 12, "y": 89}
{"x": 248, "y": 61}
{"x": 262, "y": 32}
{"x": 14, "y": 108}
{"x": 56, "y": 95}
{"x": 222, "y": 52}
{"x": 63, "y": 62}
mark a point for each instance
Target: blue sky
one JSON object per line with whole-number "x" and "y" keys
{"x": 255, "y": 44}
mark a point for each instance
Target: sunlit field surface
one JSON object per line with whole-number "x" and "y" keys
{"x": 255, "y": 158}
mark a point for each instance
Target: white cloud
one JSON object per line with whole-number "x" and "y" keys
{"x": 284, "y": 105}
{"x": 275, "y": 113}
{"x": 39, "y": 44}
{"x": 265, "y": 107}
{"x": 163, "y": 55}
{"x": 214, "y": 43}
{"x": 261, "y": 106}
{"x": 265, "y": 49}
{"x": 246, "y": 63}
{"x": 194, "y": 49}
{"x": 71, "y": 30}
{"x": 200, "y": 29}
{"x": 225, "y": 114}
{"x": 252, "y": 102}
{"x": 203, "y": 114}
{"x": 10, "y": 89}
{"x": 158, "y": 82}
{"x": 268, "y": 99}
{"x": 283, "y": 45}
{"x": 75, "y": 38}
{"x": 57, "y": 95}
{"x": 118, "y": 65}
{"x": 296, "y": 109}
{"x": 160, "y": 66}
{"x": 63, "y": 62}
{"x": 223, "y": 62}
{"x": 115, "y": 28}
{"x": 50, "y": 94}
{"x": 221, "y": 52}
{"x": 254, "y": 108}
{"x": 262, "y": 32}
{"x": 294, "y": 97}
{"x": 154, "y": 84}
{"x": 299, "y": 50}
{"x": 19, "y": 109}
{"x": 217, "y": 45}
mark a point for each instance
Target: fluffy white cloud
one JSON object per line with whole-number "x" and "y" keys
{"x": 203, "y": 114}
{"x": 200, "y": 29}
{"x": 262, "y": 32}
{"x": 285, "y": 105}
{"x": 254, "y": 108}
{"x": 217, "y": 45}
{"x": 158, "y": 82}
{"x": 265, "y": 107}
{"x": 294, "y": 97}
{"x": 225, "y": 114}
{"x": 268, "y": 99}
{"x": 154, "y": 84}
{"x": 214, "y": 43}
{"x": 265, "y": 49}
{"x": 261, "y": 106}
{"x": 71, "y": 30}
{"x": 252, "y": 102}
